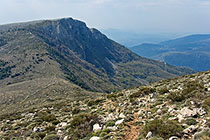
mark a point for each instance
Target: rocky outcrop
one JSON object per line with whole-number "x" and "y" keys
{"x": 145, "y": 112}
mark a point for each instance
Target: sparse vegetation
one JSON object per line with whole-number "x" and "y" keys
{"x": 192, "y": 89}
{"x": 162, "y": 128}
{"x": 163, "y": 90}
{"x": 51, "y": 137}
{"x": 142, "y": 92}
{"x": 176, "y": 97}
{"x": 94, "y": 102}
{"x": 134, "y": 109}
{"x": 206, "y": 103}
{"x": 190, "y": 121}
{"x": 81, "y": 125}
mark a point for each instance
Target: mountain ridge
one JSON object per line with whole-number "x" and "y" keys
{"x": 69, "y": 49}
{"x": 191, "y": 51}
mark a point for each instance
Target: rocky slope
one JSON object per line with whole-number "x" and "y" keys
{"x": 170, "y": 109}
{"x": 68, "y": 49}
{"x": 192, "y": 51}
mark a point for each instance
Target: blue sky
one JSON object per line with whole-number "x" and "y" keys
{"x": 191, "y": 16}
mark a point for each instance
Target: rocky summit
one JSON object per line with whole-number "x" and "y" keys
{"x": 176, "y": 109}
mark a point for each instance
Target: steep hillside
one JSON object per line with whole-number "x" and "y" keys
{"x": 170, "y": 109}
{"x": 68, "y": 49}
{"x": 191, "y": 51}
{"x": 39, "y": 92}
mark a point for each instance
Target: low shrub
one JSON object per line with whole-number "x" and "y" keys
{"x": 142, "y": 92}
{"x": 161, "y": 128}
{"x": 191, "y": 86}
{"x": 49, "y": 118}
{"x": 45, "y": 116}
{"x": 190, "y": 122}
{"x": 55, "y": 122}
{"x": 82, "y": 125}
{"x": 75, "y": 110}
{"x": 94, "y": 102}
{"x": 192, "y": 89}
{"x": 51, "y": 137}
{"x": 41, "y": 134}
{"x": 176, "y": 97}
{"x": 113, "y": 96}
{"x": 110, "y": 123}
{"x": 163, "y": 90}
{"x": 206, "y": 103}
{"x": 50, "y": 128}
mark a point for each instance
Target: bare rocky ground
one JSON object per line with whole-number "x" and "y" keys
{"x": 167, "y": 110}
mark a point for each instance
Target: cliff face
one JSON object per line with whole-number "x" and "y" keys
{"x": 89, "y": 44}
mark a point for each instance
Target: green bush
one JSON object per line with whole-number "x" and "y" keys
{"x": 55, "y": 122}
{"x": 142, "y": 92}
{"x": 176, "y": 97}
{"x": 41, "y": 134}
{"x": 50, "y": 128}
{"x": 49, "y": 118}
{"x": 51, "y": 137}
{"x": 161, "y": 128}
{"x": 206, "y": 103}
{"x": 76, "y": 110}
{"x": 191, "y": 89}
{"x": 110, "y": 123}
{"x": 113, "y": 96}
{"x": 191, "y": 86}
{"x": 94, "y": 102}
{"x": 190, "y": 122}
{"x": 82, "y": 125}
{"x": 163, "y": 90}
{"x": 45, "y": 116}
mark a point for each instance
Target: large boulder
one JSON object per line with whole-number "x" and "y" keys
{"x": 110, "y": 116}
{"x": 122, "y": 116}
{"x": 186, "y": 112}
{"x": 149, "y": 135}
{"x": 119, "y": 122}
{"x": 112, "y": 128}
{"x": 96, "y": 127}
{"x": 66, "y": 138}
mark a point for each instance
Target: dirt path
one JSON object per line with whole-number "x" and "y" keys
{"x": 132, "y": 131}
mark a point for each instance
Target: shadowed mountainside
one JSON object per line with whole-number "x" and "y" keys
{"x": 68, "y": 49}
{"x": 191, "y": 51}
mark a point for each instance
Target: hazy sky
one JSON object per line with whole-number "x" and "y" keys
{"x": 138, "y": 15}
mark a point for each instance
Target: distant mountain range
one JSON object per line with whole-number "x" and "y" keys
{"x": 192, "y": 51}
{"x": 67, "y": 49}
{"x": 131, "y": 38}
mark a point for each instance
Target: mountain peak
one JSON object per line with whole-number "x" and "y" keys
{"x": 67, "y": 48}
